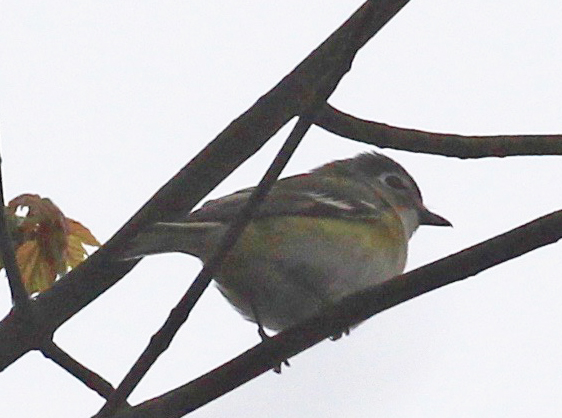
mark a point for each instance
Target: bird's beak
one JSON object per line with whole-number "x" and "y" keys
{"x": 429, "y": 218}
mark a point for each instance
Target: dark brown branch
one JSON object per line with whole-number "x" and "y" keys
{"x": 20, "y": 298}
{"x": 451, "y": 145}
{"x": 91, "y": 379}
{"x": 352, "y": 310}
{"x": 241, "y": 139}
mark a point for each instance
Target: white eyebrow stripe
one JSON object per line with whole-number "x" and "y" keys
{"x": 327, "y": 200}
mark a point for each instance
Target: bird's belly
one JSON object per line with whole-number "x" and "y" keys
{"x": 284, "y": 270}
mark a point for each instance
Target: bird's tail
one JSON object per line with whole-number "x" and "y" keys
{"x": 195, "y": 238}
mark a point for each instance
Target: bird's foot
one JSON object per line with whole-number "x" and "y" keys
{"x": 264, "y": 337}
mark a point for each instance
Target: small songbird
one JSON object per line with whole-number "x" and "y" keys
{"x": 316, "y": 238}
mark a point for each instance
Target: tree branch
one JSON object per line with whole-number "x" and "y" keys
{"x": 90, "y": 378}
{"x": 20, "y": 298}
{"x": 451, "y": 145}
{"x": 352, "y": 310}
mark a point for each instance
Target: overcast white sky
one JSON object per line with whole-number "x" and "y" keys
{"x": 102, "y": 102}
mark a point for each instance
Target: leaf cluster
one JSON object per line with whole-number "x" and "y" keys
{"x": 46, "y": 242}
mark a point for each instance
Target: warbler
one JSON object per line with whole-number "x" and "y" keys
{"x": 316, "y": 238}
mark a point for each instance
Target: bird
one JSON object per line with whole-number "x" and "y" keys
{"x": 316, "y": 238}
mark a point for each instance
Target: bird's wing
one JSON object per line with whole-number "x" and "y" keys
{"x": 302, "y": 195}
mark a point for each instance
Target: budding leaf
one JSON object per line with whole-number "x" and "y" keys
{"x": 47, "y": 243}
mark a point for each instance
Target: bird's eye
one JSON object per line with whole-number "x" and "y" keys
{"x": 395, "y": 182}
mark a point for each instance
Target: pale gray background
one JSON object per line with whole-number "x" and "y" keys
{"x": 101, "y": 102}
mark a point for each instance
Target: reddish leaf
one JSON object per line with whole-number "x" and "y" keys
{"x": 36, "y": 273}
{"x": 47, "y": 243}
{"x": 82, "y": 233}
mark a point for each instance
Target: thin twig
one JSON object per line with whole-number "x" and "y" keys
{"x": 90, "y": 378}
{"x": 352, "y": 310}
{"x": 451, "y": 145}
{"x": 20, "y": 298}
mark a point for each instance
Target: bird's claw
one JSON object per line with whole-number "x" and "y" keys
{"x": 264, "y": 337}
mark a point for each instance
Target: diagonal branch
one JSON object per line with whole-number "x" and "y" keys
{"x": 352, "y": 310}
{"x": 386, "y": 136}
{"x": 162, "y": 339}
{"x": 91, "y": 379}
